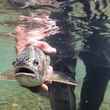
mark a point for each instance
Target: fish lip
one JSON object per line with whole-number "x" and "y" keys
{"x": 28, "y": 79}
{"x": 20, "y": 73}
{"x": 25, "y": 74}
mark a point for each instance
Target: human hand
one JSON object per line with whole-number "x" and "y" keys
{"x": 22, "y": 40}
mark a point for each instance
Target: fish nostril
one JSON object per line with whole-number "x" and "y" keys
{"x": 35, "y": 62}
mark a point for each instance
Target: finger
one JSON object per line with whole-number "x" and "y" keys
{"x": 45, "y": 47}
{"x": 44, "y": 87}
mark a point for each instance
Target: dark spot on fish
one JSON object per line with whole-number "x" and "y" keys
{"x": 35, "y": 62}
{"x": 26, "y": 70}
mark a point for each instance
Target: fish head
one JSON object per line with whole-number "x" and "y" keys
{"x": 31, "y": 69}
{"x": 31, "y": 66}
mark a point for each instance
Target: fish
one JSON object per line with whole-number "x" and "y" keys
{"x": 31, "y": 69}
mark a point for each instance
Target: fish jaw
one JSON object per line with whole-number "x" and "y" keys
{"x": 28, "y": 80}
{"x": 27, "y": 77}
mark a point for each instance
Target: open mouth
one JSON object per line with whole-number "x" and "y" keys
{"x": 24, "y": 71}
{"x": 27, "y": 77}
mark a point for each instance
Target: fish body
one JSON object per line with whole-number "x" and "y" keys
{"x": 31, "y": 69}
{"x": 31, "y": 66}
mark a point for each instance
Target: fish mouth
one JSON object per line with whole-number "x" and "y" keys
{"x": 27, "y": 77}
{"x": 26, "y": 71}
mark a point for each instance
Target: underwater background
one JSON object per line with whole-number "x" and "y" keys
{"x": 12, "y": 95}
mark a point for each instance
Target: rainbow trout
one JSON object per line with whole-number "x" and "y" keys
{"x": 31, "y": 69}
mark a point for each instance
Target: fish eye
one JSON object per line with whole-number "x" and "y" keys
{"x": 35, "y": 62}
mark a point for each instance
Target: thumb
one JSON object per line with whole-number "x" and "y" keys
{"x": 45, "y": 47}
{"x": 44, "y": 87}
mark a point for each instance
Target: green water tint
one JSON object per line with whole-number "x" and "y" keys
{"x": 8, "y": 19}
{"x": 7, "y": 53}
{"x": 15, "y": 97}
{"x": 12, "y": 95}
